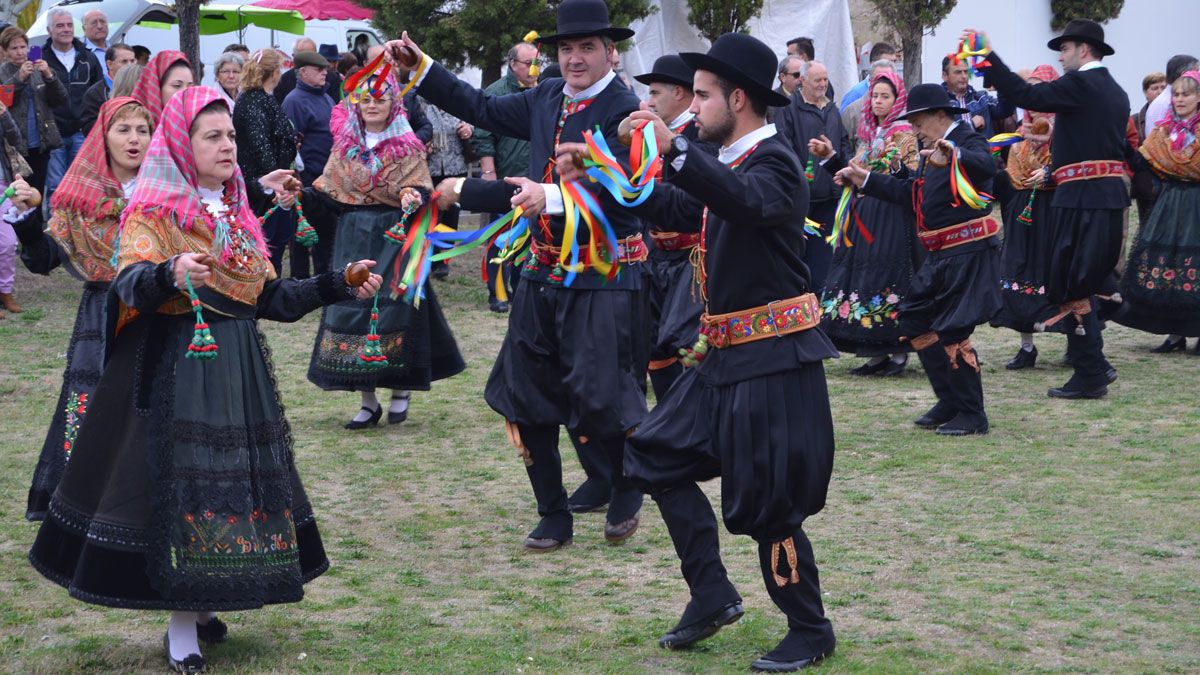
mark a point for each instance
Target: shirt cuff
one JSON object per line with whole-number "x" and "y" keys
{"x": 865, "y": 181}
{"x": 14, "y": 216}
{"x": 422, "y": 70}
{"x": 822, "y": 163}
{"x": 554, "y": 200}
{"x": 677, "y": 163}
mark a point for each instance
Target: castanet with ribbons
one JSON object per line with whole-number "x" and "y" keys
{"x": 973, "y": 49}
{"x": 962, "y": 191}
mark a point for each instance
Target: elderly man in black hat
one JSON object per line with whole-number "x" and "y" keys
{"x": 673, "y": 303}
{"x": 755, "y": 411}
{"x": 573, "y": 355}
{"x": 1087, "y": 162}
{"x": 958, "y": 285}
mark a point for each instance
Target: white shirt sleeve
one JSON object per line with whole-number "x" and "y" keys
{"x": 554, "y": 200}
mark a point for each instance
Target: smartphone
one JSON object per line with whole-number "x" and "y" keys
{"x": 35, "y": 53}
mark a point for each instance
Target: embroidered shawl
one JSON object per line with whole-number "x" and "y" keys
{"x": 87, "y": 205}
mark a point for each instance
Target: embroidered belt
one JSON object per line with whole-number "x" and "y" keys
{"x": 1088, "y": 171}
{"x": 957, "y": 235}
{"x": 674, "y": 241}
{"x": 631, "y": 249}
{"x": 773, "y": 319}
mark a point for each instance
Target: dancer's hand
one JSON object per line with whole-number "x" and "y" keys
{"x": 447, "y": 195}
{"x": 371, "y": 286}
{"x": 566, "y": 156}
{"x": 821, "y": 147}
{"x": 854, "y": 174}
{"x": 531, "y": 196}
{"x": 281, "y": 181}
{"x": 24, "y": 196}
{"x": 395, "y": 51}
{"x": 662, "y": 133}
{"x": 197, "y": 264}
{"x": 411, "y": 200}
{"x": 939, "y": 155}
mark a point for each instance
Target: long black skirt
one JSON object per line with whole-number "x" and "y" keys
{"x": 85, "y": 360}
{"x": 1024, "y": 263}
{"x": 573, "y": 358}
{"x": 182, "y": 491}
{"x": 1161, "y": 285}
{"x": 674, "y": 303}
{"x": 417, "y": 341}
{"x": 870, "y": 278}
{"x": 954, "y": 291}
{"x": 769, "y": 438}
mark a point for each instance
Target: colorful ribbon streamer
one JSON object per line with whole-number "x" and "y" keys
{"x": 971, "y": 50}
{"x": 644, "y": 161}
{"x": 961, "y": 189}
{"x": 841, "y": 219}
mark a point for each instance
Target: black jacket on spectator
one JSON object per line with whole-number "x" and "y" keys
{"x": 266, "y": 142}
{"x": 86, "y": 72}
{"x": 801, "y": 122}
{"x": 95, "y": 97}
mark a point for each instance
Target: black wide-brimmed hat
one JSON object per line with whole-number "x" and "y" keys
{"x": 669, "y": 69}
{"x": 585, "y": 18}
{"x": 1082, "y": 30}
{"x": 926, "y": 97}
{"x": 743, "y": 60}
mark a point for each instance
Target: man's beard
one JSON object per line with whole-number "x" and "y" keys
{"x": 720, "y": 132}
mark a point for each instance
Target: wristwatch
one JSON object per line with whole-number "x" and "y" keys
{"x": 679, "y": 146}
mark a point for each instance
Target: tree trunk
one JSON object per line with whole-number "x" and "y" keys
{"x": 491, "y": 74}
{"x": 911, "y": 43}
{"x": 188, "y": 12}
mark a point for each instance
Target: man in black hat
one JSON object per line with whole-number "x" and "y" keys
{"x": 755, "y": 411}
{"x": 813, "y": 117}
{"x": 958, "y": 284}
{"x": 673, "y": 302}
{"x": 1087, "y": 156}
{"x": 571, "y": 354}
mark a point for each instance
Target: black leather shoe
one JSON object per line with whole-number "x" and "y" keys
{"x": 938, "y": 415}
{"x": 193, "y": 663}
{"x": 440, "y": 271}
{"x": 870, "y": 369}
{"x": 765, "y": 665}
{"x": 962, "y": 426}
{"x": 1167, "y": 346}
{"x": 369, "y": 422}
{"x": 545, "y": 544}
{"x": 1024, "y": 359}
{"x": 213, "y": 632}
{"x": 618, "y": 533}
{"x": 893, "y": 369}
{"x": 397, "y": 418}
{"x": 1063, "y": 392}
{"x": 1111, "y": 375}
{"x": 498, "y": 306}
{"x": 686, "y": 636}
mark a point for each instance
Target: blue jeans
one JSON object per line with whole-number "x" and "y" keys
{"x": 60, "y": 159}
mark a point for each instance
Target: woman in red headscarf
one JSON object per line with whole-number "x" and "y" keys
{"x": 1161, "y": 284}
{"x": 375, "y": 174}
{"x": 168, "y": 72}
{"x": 86, "y": 209}
{"x": 1027, "y": 246}
{"x": 873, "y": 262}
{"x": 181, "y": 493}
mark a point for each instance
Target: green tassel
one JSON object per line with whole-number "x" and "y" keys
{"x": 371, "y": 357}
{"x": 305, "y": 234}
{"x": 557, "y": 275}
{"x": 692, "y": 357}
{"x": 808, "y": 170}
{"x": 203, "y": 345}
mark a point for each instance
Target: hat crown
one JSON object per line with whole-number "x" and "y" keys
{"x": 589, "y": 13}
{"x": 749, "y": 55}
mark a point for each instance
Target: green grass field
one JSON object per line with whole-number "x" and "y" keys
{"x": 1066, "y": 540}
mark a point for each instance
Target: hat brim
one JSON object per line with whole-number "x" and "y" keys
{"x": 651, "y": 78}
{"x": 698, "y": 61}
{"x": 614, "y": 34}
{"x": 1105, "y": 50}
{"x": 950, "y": 110}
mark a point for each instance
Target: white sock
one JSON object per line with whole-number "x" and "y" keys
{"x": 900, "y": 358}
{"x": 876, "y": 360}
{"x": 181, "y": 633}
{"x": 399, "y": 401}
{"x": 368, "y": 401}
{"x": 1027, "y": 341}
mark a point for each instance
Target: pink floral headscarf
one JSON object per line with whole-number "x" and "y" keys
{"x": 167, "y": 180}
{"x": 868, "y": 126}
{"x": 1182, "y": 131}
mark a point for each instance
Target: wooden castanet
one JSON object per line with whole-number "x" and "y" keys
{"x": 625, "y": 132}
{"x": 292, "y": 184}
{"x": 356, "y": 275}
{"x": 1041, "y": 126}
{"x": 405, "y": 56}
{"x": 35, "y": 199}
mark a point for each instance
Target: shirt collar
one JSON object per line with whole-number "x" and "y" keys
{"x": 684, "y": 117}
{"x": 739, "y": 147}
{"x": 951, "y": 128}
{"x": 87, "y": 42}
{"x": 593, "y": 90}
{"x": 1091, "y": 65}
